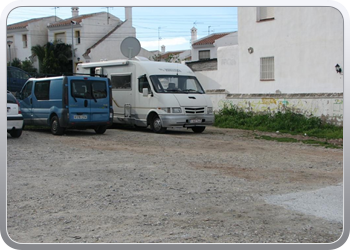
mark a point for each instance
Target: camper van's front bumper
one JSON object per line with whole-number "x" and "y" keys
{"x": 186, "y": 120}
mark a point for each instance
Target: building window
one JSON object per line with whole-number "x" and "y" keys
{"x": 267, "y": 68}
{"x": 25, "y": 41}
{"x": 265, "y": 13}
{"x": 60, "y": 37}
{"x": 77, "y": 37}
{"x": 204, "y": 54}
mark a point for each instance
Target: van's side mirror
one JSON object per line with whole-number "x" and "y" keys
{"x": 145, "y": 92}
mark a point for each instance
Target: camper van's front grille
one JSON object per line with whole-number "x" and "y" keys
{"x": 194, "y": 110}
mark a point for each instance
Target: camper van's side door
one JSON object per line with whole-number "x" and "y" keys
{"x": 26, "y": 102}
{"x": 79, "y": 101}
{"x": 122, "y": 94}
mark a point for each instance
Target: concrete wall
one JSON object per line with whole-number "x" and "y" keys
{"x": 329, "y": 107}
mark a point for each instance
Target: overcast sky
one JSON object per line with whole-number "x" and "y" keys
{"x": 155, "y": 26}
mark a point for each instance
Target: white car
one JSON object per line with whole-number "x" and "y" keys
{"x": 14, "y": 116}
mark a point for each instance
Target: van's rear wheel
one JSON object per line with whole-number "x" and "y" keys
{"x": 156, "y": 125}
{"x": 100, "y": 130}
{"x": 198, "y": 129}
{"x": 56, "y": 129}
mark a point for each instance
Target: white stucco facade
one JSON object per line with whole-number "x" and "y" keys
{"x": 90, "y": 30}
{"x": 230, "y": 39}
{"x": 306, "y": 43}
{"x": 35, "y": 32}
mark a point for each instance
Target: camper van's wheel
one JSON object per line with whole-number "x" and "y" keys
{"x": 56, "y": 129}
{"x": 100, "y": 130}
{"x": 198, "y": 129}
{"x": 156, "y": 125}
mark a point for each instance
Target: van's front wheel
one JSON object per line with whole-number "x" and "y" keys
{"x": 56, "y": 129}
{"x": 156, "y": 125}
{"x": 198, "y": 129}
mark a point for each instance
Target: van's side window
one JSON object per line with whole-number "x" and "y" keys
{"x": 27, "y": 90}
{"x": 121, "y": 82}
{"x": 42, "y": 90}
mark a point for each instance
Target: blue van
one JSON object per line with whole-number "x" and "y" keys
{"x": 67, "y": 102}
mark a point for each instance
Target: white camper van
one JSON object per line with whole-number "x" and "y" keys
{"x": 156, "y": 94}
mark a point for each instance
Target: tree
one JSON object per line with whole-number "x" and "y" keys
{"x": 54, "y": 58}
{"x": 16, "y": 63}
{"x": 27, "y": 65}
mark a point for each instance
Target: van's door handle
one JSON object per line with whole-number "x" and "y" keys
{"x": 85, "y": 103}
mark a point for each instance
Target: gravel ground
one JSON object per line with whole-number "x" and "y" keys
{"x": 134, "y": 186}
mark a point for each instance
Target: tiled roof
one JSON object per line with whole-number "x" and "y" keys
{"x": 210, "y": 39}
{"x": 77, "y": 19}
{"x": 22, "y": 25}
{"x": 167, "y": 54}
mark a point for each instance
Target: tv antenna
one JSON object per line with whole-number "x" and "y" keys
{"x": 108, "y": 14}
{"x": 55, "y": 12}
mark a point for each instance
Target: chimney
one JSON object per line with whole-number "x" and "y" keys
{"x": 163, "y": 49}
{"x": 75, "y": 11}
{"x": 128, "y": 15}
{"x": 193, "y": 35}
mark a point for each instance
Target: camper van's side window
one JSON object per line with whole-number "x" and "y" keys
{"x": 42, "y": 90}
{"x": 121, "y": 82}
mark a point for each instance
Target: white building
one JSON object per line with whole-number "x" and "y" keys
{"x": 206, "y": 47}
{"x": 301, "y": 45}
{"x": 285, "y": 57}
{"x": 22, "y": 36}
{"x": 94, "y": 37}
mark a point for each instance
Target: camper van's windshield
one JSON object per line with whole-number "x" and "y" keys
{"x": 176, "y": 84}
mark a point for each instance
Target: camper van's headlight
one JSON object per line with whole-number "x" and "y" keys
{"x": 166, "y": 110}
{"x": 176, "y": 110}
{"x": 210, "y": 110}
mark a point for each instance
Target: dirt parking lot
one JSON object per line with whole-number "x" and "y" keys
{"x": 134, "y": 186}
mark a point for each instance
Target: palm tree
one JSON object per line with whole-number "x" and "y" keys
{"x": 54, "y": 58}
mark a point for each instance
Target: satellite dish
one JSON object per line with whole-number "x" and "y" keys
{"x": 130, "y": 47}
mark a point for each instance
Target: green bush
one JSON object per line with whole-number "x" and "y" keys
{"x": 231, "y": 116}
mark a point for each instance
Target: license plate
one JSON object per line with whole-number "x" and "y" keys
{"x": 196, "y": 121}
{"x": 80, "y": 117}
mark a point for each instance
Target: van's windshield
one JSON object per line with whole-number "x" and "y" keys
{"x": 176, "y": 84}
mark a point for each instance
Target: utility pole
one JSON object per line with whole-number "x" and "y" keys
{"x": 72, "y": 22}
